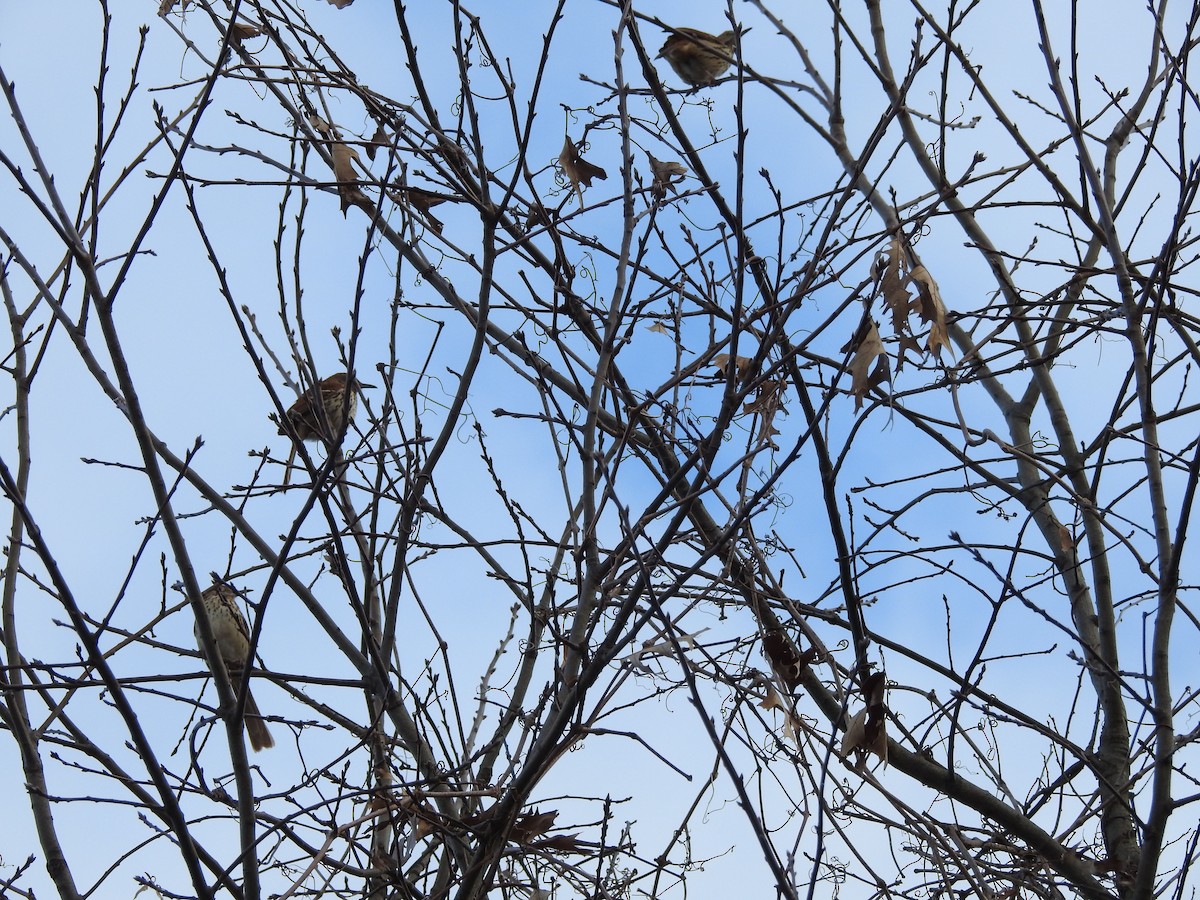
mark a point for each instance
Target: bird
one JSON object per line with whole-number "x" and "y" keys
{"x": 699, "y": 58}
{"x": 232, "y": 637}
{"x": 322, "y": 412}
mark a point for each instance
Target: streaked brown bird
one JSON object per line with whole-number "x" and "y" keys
{"x": 699, "y": 58}
{"x": 232, "y": 636}
{"x": 322, "y": 412}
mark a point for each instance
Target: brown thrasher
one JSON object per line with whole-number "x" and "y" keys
{"x": 321, "y": 413}
{"x": 232, "y": 636}
{"x": 699, "y": 58}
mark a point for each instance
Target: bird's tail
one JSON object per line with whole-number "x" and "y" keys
{"x": 287, "y": 472}
{"x": 256, "y": 727}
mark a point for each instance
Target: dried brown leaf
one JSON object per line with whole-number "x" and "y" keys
{"x": 665, "y": 175}
{"x": 658, "y": 328}
{"x": 319, "y": 125}
{"x": 790, "y": 727}
{"x": 340, "y": 4}
{"x": 661, "y": 648}
{"x": 863, "y": 737}
{"x": 767, "y": 433}
{"x": 872, "y": 720}
{"x": 378, "y": 139}
{"x": 538, "y": 216}
{"x": 768, "y": 400}
{"x": 742, "y": 363}
{"x": 532, "y": 824}
{"x": 932, "y": 310}
{"x": 578, "y": 170}
{"x": 408, "y": 804}
{"x": 563, "y": 843}
{"x": 772, "y": 700}
{"x": 904, "y": 343}
{"x": 852, "y": 740}
{"x": 874, "y": 686}
{"x": 1066, "y": 541}
{"x": 889, "y": 267}
{"x": 343, "y": 163}
{"x": 876, "y": 738}
{"x": 788, "y": 665}
{"x": 868, "y": 347}
{"x": 344, "y": 157}
{"x": 422, "y": 827}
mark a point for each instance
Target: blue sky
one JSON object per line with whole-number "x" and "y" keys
{"x": 196, "y": 380}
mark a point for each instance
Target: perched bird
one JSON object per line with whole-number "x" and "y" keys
{"x": 232, "y": 636}
{"x": 322, "y": 412}
{"x": 699, "y": 58}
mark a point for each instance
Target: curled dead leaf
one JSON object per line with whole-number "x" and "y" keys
{"x": 343, "y": 162}
{"x": 931, "y": 309}
{"x": 422, "y": 827}
{"x": 867, "y": 347}
{"x": 407, "y": 803}
{"x": 378, "y": 139}
{"x": 538, "y": 216}
{"x": 1066, "y": 541}
{"x": 665, "y": 647}
{"x": 874, "y": 686}
{"x": 769, "y": 398}
{"x": 866, "y": 731}
{"x": 791, "y": 728}
{"x": 855, "y": 734}
{"x": 772, "y": 700}
{"x": 894, "y": 276}
{"x": 767, "y": 433}
{"x": 789, "y": 665}
{"x": 905, "y": 343}
{"x": 563, "y": 843}
{"x": 531, "y": 825}
{"x": 577, "y": 170}
{"x": 344, "y": 157}
{"x": 861, "y": 739}
{"x": 319, "y": 125}
{"x": 741, "y": 364}
{"x": 889, "y": 271}
{"x": 665, "y": 176}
